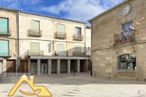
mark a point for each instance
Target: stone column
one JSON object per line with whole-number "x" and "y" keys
{"x": 38, "y": 66}
{"x": 49, "y": 66}
{"x": 68, "y": 66}
{"x": 4, "y": 67}
{"x": 29, "y": 62}
{"x": 58, "y": 66}
{"x": 78, "y": 66}
{"x": 87, "y": 65}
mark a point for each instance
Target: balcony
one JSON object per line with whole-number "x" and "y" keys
{"x": 78, "y": 53}
{"x": 60, "y": 35}
{"x": 35, "y": 53}
{"x": 120, "y": 39}
{"x": 34, "y": 33}
{"x": 77, "y": 37}
{"x": 62, "y": 53}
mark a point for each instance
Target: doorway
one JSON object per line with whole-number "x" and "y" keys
{"x": 44, "y": 67}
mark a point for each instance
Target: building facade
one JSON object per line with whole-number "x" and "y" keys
{"x": 118, "y": 41}
{"x": 42, "y": 45}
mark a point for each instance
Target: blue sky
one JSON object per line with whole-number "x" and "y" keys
{"x": 81, "y": 10}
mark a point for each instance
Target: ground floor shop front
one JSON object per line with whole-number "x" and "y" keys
{"x": 44, "y": 66}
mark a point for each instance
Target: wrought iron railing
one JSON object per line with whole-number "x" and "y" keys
{"x": 78, "y": 53}
{"x": 35, "y": 53}
{"x": 34, "y": 33}
{"x": 77, "y": 37}
{"x": 61, "y": 53}
{"x": 60, "y": 35}
{"x": 122, "y": 39}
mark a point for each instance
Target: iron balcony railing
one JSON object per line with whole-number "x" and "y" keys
{"x": 77, "y": 37}
{"x": 60, "y": 35}
{"x": 61, "y": 53}
{"x": 122, "y": 39}
{"x": 78, "y": 53}
{"x": 35, "y": 53}
{"x": 34, "y": 33}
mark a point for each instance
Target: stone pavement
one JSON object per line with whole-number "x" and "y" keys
{"x": 81, "y": 86}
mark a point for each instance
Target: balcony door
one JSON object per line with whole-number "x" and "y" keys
{"x": 77, "y": 50}
{"x": 78, "y": 31}
{"x": 61, "y": 28}
{"x": 35, "y": 25}
{"x": 35, "y": 48}
{"x": 61, "y": 49}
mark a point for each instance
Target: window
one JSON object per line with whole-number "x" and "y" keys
{"x": 35, "y": 47}
{"x": 127, "y": 27}
{"x": 3, "y": 26}
{"x": 127, "y": 62}
{"x": 78, "y": 31}
{"x": 4, "y": 48}
{"x": 127, "y": 30}
{"x": 50, "y": 47}
{"x": 35, "y": 25}
{"x": 60, "y": 28}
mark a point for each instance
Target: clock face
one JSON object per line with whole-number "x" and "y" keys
{"x": 126, "y": 10}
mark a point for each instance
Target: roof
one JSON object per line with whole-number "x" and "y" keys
{"x": 125, "y": 1}
{"x": 15, "y": 10}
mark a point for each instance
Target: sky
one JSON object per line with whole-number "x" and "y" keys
{"x": 80, "y": 10}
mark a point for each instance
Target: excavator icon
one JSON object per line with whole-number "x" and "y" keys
{"x": 38, "y": 90}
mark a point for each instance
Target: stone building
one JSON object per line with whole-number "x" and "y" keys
{"x": 41, "y": 45}
{"x": 118, "y": 41}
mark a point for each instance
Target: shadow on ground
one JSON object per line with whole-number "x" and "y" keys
{"x": 81, "y": 79}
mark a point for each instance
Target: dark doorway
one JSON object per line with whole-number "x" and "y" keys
{"x": 63, "y": 66}
{"x": 73, "y": 66}
{"x": 54, "y": 66}
{"x": 11, "y": 66}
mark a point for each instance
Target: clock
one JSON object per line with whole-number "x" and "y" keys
{"x": 126, "y": 10}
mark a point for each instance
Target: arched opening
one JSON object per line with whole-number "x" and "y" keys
{"x": 127, "y": 62}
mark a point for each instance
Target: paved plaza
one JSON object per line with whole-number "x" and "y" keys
{"x": 82, "y": 85}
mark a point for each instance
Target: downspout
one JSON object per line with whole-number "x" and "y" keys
{"x": 17, "y": 42}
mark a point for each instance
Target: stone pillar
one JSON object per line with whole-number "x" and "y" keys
{"x": 78, "y": 66}
{"x": 29, "y": 63}
{"x": 68, "y": 66}
{"x": 38, "y": 66}
{"x": 4, "y": 67}
{"x": 58, "y": 66}
{"x": 49, "y": 66}
{"x": 87, "y": 65}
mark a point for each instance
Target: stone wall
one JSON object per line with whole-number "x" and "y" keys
{"x": 105, "y": 55}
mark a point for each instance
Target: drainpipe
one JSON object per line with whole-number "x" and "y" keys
{"x": 17, "y": 42}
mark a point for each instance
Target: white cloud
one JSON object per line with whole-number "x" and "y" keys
{"x": 82, "y": 10}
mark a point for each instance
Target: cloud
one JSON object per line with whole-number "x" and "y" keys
{"x": 82, "y": 10}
